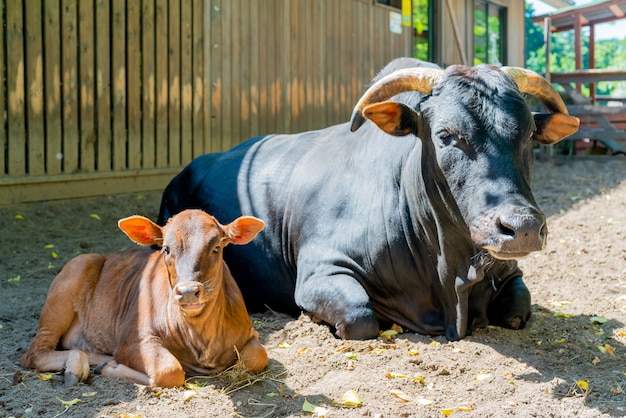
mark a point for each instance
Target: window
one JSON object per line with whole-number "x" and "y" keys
{"x": 422, "y": 22}
{"x": 489, "y": 33}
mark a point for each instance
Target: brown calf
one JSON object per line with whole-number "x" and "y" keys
{"x": 151, "y": 315}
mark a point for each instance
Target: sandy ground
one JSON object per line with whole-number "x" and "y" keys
{"x": 569, "y": 361}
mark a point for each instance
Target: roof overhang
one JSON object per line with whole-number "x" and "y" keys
{"x": 600, "y": 11}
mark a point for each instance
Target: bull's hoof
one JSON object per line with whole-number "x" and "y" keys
{"x": 511, "y": 308}
{"x": 359, "y": 329}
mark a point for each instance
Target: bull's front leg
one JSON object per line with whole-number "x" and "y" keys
{"x": 511, "y": 306}
{"x": 340, "y": 301}
{"x": 150, "y": 358}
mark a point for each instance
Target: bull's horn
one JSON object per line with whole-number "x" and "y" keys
{"x": 409, "y": 79}
{"x": 532, "y": 83}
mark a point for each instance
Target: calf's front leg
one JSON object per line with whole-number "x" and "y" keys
{"x": 147, "y": 358}
{"x": 253, "y": 355}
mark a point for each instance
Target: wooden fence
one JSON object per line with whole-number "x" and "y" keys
{"x": 114, "y": 96}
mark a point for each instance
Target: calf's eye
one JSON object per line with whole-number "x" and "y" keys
{"x": 166, "y": 250}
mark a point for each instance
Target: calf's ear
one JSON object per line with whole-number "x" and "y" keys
{"x": 141, "y": 230}
{"x": 553, "y": 127}
{"x": 395, "y": 118}
{"x": 243, "y": 229}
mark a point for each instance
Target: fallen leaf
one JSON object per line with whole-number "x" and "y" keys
{"x": 19, "y": 217}
{"x": 48, "y": 246}
{"x": 560, "y": 341}
{"x": 400, "y": 395}
{"x": 434, "y": 343}
{"x": 419, "y": 379}
{"x": 413, "y": 352}
{"x": 466, "y": 408}
{"x": 482, "y": 376}
{"x": 598, "y": 320}
{"x": 583, "y": 385}
{"x": 303, "y": 350}
{"x": 94, "y": 216}
{"x": 447, "y": 411}
{"x": 595, "y": 361}
{"x": 189, "y": 394}
{"x": 617, "y": 390}
{"x": 393, "y": 375}
{"x": 388, "y": 335}
{"x": 54, "y": 254}
{"x": 67, "y": 404}
{"x": 44, "y": 376}
{"x": 351, "y": 355}
{"x": 271, "y": 394}
{"x": 562, "y": 315}
{"x": 15, "y": 278}
{"x": 89, "y": 394}
{"x": 397, "y": 328}
{"x": 606, "y": 349}
{"x": 312, "y": 409}
{"x": 351, "y": 398}
{"x": 191, "y": 386}
{"x": 284, "y": 345}
{"x": 559, "y": 304}
{"x": 378, "y": 350}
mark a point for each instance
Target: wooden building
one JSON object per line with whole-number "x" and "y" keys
{"x": 111, "y": 96}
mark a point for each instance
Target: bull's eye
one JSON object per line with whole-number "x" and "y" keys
{"x": 216, "y": 250}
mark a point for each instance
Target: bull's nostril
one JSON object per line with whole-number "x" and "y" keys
{"x": 505, "y": 228}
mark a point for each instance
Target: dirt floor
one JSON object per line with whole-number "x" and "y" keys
{"x": 569, "y": 361}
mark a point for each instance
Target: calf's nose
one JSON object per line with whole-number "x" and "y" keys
{"x": 188, "y": 292}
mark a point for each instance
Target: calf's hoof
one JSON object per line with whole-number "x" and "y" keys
{"x": 76, "y": 368}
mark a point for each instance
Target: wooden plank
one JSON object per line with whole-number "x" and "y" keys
{"x": 225, "y": 112}
{"x": 254, "y": 77}
{"x": 161, "y": 83}
{"x": 16, "y": 116}
{"x": 71, "y": 114}
{"x": 588, "y": 76}
{"x": 148, "y": 106}
{"x": 216, "y": 80}
{"x": 198, "y": 81}
{"x": 243, "y": 114}
{"x": 174, "y": 105}
{"x": 3, "y": 132}
{"x": 133, "y": 84}
{"x": 86, "y": 15}
{"x": 118, "y": 81}
{"x": 234, "y": 136}
{"x": 103, "y": 85}
{"x": 34, "y": 86}
{"x": 263, "y": 33}
{"x": 186, "y": 80}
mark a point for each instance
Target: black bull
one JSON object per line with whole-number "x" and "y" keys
{"x": 365, "y": 228}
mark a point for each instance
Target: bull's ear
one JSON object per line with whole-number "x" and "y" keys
{"x": 552, "y": 127}
{"x": 394, "y": 118}
{"x": 141, "y": 230}
{"x": 243, "y": 229}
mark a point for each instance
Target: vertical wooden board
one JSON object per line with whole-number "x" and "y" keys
{"x": 161, "y": 83}
{"x": 295, "y": 44}
{"x": 133, "y": 83}
{"x": 71, "y": 113}
{"x": 226, "y": 73}
{"x": 215, "y": 77}
{"x": 254, "y": 77}
{"x": 272, "y": 67}
{"x": 174, "y": 105}
{"x": 3, "y": 132}
{"x": 287, "y": 80}
{"x": 118, "y": 81}
{"x": 198, "y": 81}
{"x": 244, "y": 112}
{"x": 16, "y": 117}
{"x": 87, "y": 86}
{"x": 262, "y": 32}
{"x": 186, "y": 82}
{"x": 319, "y": 61}
{"x": 34, "y": 87}
{"x": 103, "y": 85}
{"x": 148, "y": 96}
{"x": 330, "y": 69}
{"x": 309, "y": 48}
{"x": 234, "y": 135}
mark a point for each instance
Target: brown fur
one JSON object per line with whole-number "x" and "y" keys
{"x": 128, "y": 307}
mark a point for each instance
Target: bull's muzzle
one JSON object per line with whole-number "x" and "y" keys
{"x": 510, "y": 232}
{"x": 189, "y": 295}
